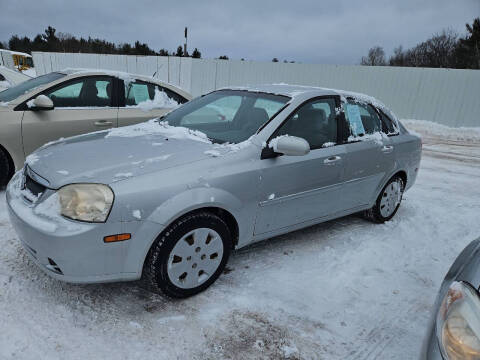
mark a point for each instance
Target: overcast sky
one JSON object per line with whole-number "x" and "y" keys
{"x": 310, "y": 31}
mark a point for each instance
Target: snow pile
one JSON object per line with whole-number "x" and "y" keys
{"x": 431, "y": 129}
{"x": 137, "y": 214}
{"x": 274, "y": 142}
{"x": 160, "y": 100}
{"x": 377, "y": 137}
{"x": 230, "y": 147}
{"x": 155, "y": 127}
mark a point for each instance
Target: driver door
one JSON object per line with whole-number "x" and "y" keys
{"x": 304, "y": 189}
{"x": 81, "y": 105}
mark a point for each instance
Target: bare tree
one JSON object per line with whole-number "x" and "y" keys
{"x": 375, "y": 57}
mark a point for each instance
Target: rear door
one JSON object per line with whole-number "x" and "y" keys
{"x": 370, "y": 154}
{"x": 301, "y": 189}
{"x": 81, "y": 105}
{"x": 141, "y": 101}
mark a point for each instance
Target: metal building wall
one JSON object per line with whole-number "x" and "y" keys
{"x": 447, "y": 96}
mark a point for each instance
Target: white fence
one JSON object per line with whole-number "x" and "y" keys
{"x": 447, "y": 96}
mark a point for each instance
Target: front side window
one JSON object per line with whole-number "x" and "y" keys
{"x": 362, "y": 118}
{"x": 140, "y": 92}
{"x": 228, "y": 115}
{"x": 315, "y": 122}
{"x": 29, "y": 85}
{"x": 84, "y": 92}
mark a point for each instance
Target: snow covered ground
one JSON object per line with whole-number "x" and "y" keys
{"x": 345, "y": 289}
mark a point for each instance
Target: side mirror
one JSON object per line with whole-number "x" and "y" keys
{"x": 41, "y": 102}
{"x": 290, "y": 145}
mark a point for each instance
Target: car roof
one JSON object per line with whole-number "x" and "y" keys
{"x": 304, "y": 91}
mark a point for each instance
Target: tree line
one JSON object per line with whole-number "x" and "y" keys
{"x": 443, "y": 50}
{"x": 51, "y": 41}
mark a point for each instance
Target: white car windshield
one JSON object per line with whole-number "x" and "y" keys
{"x": 26, "y": 86}
{"x": 227, "y": 116}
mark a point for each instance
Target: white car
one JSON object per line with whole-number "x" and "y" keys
{"x": 73, "y": 102}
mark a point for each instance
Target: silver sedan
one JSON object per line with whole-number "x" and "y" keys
{"x": 167, "y": 200}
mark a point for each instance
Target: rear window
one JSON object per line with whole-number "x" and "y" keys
{"x": 26, "y": 86}
{"x": 388, "y": 126}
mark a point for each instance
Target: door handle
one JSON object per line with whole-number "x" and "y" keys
{"x": 387, "y": 149}
{"x": 332, "y": 159}
{"x": 103, "y": 123}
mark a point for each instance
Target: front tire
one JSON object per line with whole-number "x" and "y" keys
{"x": 388, "y": 201}
{"x": 188, "y": 256}
{"x": 5, "y": 169}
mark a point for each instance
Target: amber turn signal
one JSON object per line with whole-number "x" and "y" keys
{"x": 117, "y": 237}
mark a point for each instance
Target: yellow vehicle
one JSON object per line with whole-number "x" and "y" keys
{"x": 22, "y": 61}
{"x": 16, "y": 60}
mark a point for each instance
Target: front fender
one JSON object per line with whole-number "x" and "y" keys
{"x": 166, "y": 213}
{"x": 193, "y": 199}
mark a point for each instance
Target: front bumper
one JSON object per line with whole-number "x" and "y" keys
{"x": 68, "y": 250}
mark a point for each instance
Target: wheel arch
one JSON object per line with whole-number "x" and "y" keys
{"x": 221, "y": 212}
{"x": 403, "y": 176}
{"x": 224, "y": 214}
{"x": 11, "y": 163}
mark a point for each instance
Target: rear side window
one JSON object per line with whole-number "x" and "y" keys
{"x": 388, "y": 126}
{"x": 141, "y": 92}
{"x": 362, "y": 118}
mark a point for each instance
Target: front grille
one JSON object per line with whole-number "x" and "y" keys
{"x": 31, "y": 185}
{"x": 34, "y": 187}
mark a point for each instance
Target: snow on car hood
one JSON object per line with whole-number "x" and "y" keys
{"x": 118, "y": 154}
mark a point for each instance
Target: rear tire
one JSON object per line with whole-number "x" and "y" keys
{"x": 188, "y": 256}
{"x": 388, "y": 201}
{"x": 5, "y": 169}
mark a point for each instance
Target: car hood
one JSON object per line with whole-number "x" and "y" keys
{"x": 115, "y": 155}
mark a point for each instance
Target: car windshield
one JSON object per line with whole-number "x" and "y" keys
{"x": 227, "y": 116}
{"x": 26, "y": 86}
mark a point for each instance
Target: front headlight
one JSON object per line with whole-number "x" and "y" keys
{"x": 458, "y": 323}
{"x": 86, "y": 202}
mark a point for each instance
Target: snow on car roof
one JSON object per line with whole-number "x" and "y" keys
{"x": 126, "y": 77}
{"x": 298, "y": 90}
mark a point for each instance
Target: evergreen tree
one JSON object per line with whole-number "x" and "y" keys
{"x": 179, "y": 51}
{"x": 163, "y": 52}
{"x": 467, "y": 53}
{"x": 196, "y": 54}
